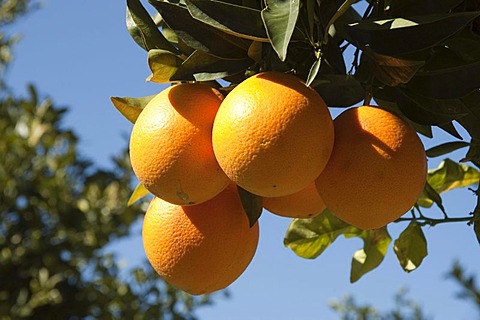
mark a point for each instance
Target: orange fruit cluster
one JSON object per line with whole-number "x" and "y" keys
{"x": 273, "y": 136}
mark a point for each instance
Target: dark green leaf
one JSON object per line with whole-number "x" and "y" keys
{"x": 411, "y": 247}
{"x": 130, "y": 108}
{"x": 447, "y": 83}
{"x": 139, "y": 192}
{"x": 252, "y": 204}
{"x": 143, "y": 30}
{"x": 450, "y": 129}
{"x": 199, "y": 35}
{"x": 201, "y": 66}
{"x": 430, "y": 196}
{"x": 445, "y": 148}
{"x": 375, "y": 246}
{"x": 393, "y": 71}
{"x": 229, "y": 18}
{"x": 308, "y": 238}
{"x": 340, "y": 12}
{"x": 330, "y": 85}
{"x": 280, "y": 18}
{"x": 163, "y": 64}
{"x": 407, "y": 8}
{"x": 404, "y": 35}
{"x": 471, "y": 122}
{"x": 429, "y": 111}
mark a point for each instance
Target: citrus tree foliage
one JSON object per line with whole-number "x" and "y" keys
{"x": 418, "y": 58}
{"x": 405, "y": 308}
{"x": 58, "y": 212}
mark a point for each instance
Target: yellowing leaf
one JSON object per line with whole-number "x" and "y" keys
{"x": 130, "y": 108}
{"x": 163, "y": 65}
{"x": 139, "y": 192}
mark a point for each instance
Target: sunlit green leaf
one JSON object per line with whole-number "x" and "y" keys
{"x": 341, "y": 10}
{"x": 143, "y": 30}
{"x": 163, "y": 64}
{"x": 137, "y": 194}
{"x": 229, "y": 18}
{"x": 411, "y": 247}
{"x": 375, "y": 246}
{"x": 449, "y": 175}
{"x": 252, "y": 204}
{"x": 308, "y": 238}
{"x": 445, "y": 148}
{"x": 280, "y": 18}
{"x": 394, "y": 36}
{"x": 129, "y": 107}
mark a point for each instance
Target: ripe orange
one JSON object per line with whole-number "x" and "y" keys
{"x": 272, "y": 134}
{"x": 377, "y": 169}
{"x": 305, "y": 203}
{"x": 171, "y": 147}
{"x": 200, "y": 248}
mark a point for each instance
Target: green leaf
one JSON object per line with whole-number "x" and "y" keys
{"x": 129, "y": 107}
{"x": 451, "y": 82}
{"x": 329, "y": 85}
{"x": 375, "y": 246}
{"x": 163, "y": 65}
{"x": 308, "y": 238}
{"x": 280, "y": 18}
{"x": 199, "y": 35}
{"x": 201, "y": 66}
{"x": 143, "y": 29}
{"x": 252, "y": 204}
{"x": 314, "y": 70}
{"x": 393, "y": 71}
{"x": 430, "y": 196}
{"x": 429, "y": 111}
{"x": 411, "y": 247}
{"x": 445, "y": 148}
{"x": 395, "y": 36}
{"x": 229, "y": 18}
{"x": 449, "y": 175}
{"x": 137, "y": 194}
{"x": 407, "y": 8}
{"x": 343, "y": 8}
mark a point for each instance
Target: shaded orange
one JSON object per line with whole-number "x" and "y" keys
{"x": 200, "y": 248}
{"x": 272, "y": 134}
{"x": 305, "y": 203}
{"x": 170, "y": 145}
{"x": 377, "y": 169}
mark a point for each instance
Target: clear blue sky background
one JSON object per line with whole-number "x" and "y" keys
{"x": 79, "y": 53}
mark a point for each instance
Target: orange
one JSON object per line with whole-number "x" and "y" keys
{"x": 272, "y": 134}
{"x": 377, "y": 169}
{"x": 305, "y": 203}
{"x": 171, "y": 147}
{"x": 200, "y": 248}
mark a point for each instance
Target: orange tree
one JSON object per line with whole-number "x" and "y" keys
{"x": 417, "y": 58}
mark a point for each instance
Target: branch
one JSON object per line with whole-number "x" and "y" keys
{"x": 423, "y": 221}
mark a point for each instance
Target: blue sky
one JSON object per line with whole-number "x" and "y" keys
{"x": 79, "y": 53}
